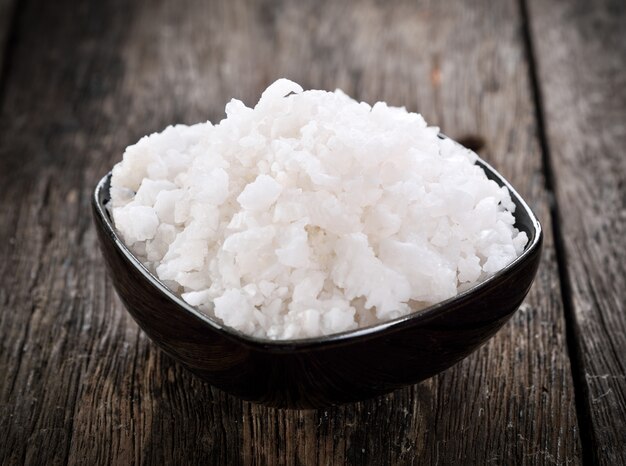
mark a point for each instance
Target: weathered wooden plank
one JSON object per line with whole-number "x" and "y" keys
{"x": 86, "y": 386}
{"x": 581, "y": 63}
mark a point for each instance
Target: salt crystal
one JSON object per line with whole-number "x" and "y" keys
{"x": 311, "y": 213}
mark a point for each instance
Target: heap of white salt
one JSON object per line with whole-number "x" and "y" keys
{"x": 311, "y": 213}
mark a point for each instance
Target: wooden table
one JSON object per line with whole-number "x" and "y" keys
{"x": 537, "y": 87}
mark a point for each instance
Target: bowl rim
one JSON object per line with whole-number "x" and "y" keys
{"x": 535, "y": 240}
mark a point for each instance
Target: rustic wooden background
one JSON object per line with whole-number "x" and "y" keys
{"x": 538, "y": 87}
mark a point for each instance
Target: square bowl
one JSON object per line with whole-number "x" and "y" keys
{"x": 329, "y": 370}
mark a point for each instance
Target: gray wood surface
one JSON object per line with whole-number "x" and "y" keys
{"x": 85, "y": 386}
{"x": 581, "y": 63}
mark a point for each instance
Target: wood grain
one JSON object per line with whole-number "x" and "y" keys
{"x": 581, "y": 63}
{"x": 86, "y": 386}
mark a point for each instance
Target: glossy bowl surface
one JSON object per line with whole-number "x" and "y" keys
{"x": 317, "y": 372}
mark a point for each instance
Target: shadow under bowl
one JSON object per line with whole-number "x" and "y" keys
{"x": 330, "y": 370}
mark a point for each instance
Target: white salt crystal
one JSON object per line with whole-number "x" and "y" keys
{"x": 311, "y": 213}
{"x": 136, "y": 223}
{"x": 260, "y": 194}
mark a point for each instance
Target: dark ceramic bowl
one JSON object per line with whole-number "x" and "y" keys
{"x": 317, "y": 372}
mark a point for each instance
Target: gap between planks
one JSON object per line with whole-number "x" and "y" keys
{"x": 10, "y": 11}
{"x": 574, "y": 350}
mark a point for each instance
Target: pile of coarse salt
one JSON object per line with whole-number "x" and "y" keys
{"x": 311, "y": 214}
